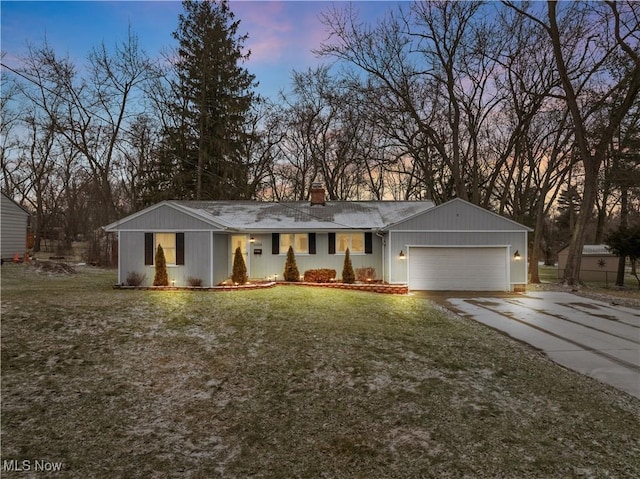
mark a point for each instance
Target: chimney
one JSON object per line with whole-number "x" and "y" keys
{"x": 317, "y": 194}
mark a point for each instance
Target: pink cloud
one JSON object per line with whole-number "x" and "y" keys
{"x": 280, "y": 30}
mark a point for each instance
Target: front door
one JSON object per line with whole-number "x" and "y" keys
{"x": 242, "y": 242}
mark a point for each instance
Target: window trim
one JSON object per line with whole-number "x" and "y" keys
{"x": 368, "y": 243}
{"x": 150, "y": 248}
{"x": 283, "y": 253}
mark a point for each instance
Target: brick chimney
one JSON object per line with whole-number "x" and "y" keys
{"x": 317, "y": 194}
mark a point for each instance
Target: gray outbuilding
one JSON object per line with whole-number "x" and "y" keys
{"x": 13, "y": 226}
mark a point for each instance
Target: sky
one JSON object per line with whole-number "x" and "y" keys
{"x": 282, "y": 34}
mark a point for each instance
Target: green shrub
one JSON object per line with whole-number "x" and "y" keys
{"x": 239, "y": 274}
{"x": 348, "y": 275}
{"x": 319, "y": 275}
{"x": 291, "y": 272}
{"x": 161, "y": 278}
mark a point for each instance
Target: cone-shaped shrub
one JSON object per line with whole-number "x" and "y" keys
{"x": 239, "y": 274}
{"x": 291, "y": 272}
{"x": 348, "y": 276}
{"x": 160, "y": 278}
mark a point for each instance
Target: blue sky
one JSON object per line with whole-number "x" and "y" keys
{"x": 282, "y": 34}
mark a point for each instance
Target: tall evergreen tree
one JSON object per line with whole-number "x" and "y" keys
{"x": 161, "y": 277}
{"x": 212, "y": 103}
{"x": 239, "y": 273}
{"x": 291, "y": 272}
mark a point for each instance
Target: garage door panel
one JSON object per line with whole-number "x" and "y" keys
{"x": 457, "y": 268}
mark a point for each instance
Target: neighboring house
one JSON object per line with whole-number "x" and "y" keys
{"x": 454, "y": 246}
{"x": 598, "y": 263}
{"x": 13, "y": 228}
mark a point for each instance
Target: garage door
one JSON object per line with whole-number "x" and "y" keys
{"x": 458, "y": 269}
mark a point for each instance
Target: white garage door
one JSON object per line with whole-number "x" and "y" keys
{"x": 458, "y": 269}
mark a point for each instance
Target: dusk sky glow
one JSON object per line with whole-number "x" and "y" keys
{"x": 282, "y": 34}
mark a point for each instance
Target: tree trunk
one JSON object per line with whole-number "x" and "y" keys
{"x": 571, "y": 275}
{"x": 537, "y": 241}
{"x": 624, "y": 214}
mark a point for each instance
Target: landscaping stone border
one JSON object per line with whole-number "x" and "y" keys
{"x": 372, "y": 288}
{"x": 242, "y": 287}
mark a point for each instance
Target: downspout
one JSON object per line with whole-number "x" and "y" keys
{"x": 380, "y": 234}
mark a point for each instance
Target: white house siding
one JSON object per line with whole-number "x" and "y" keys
{"x": 400, "y": 240}
{"x": 13, "y": 228}
{"x": 458, "y": 215}
{"x": 267, "y": 264}
{"x": 197, "y": 258}
{"x": 219, "y": 253}
{"x": 163, "y": 218}
{"x": 131, "y": 256}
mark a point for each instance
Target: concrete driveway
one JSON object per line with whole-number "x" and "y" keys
{"x": 592, "y": 337}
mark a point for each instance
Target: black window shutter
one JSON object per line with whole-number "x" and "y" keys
{"x": 368, "y": 243}
{"x": 179, "y": 248}
{"x": 312, "y": 243}
{"x": 275, "y": 243}
{"x": 148, "y": 249}
{"x": 332, "y": 243}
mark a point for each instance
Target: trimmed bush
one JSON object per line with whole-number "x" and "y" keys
{"x": 365, "y": 274}
{"x": 135, "y": 279}
{"x": 319, "y": 275}
{"x": 160, "y": 278}
{"x": 291, "y": 272}
{"x": 239, "y": 274}
{"x": 194, "y": 282}
{"x": 348, "y": 276}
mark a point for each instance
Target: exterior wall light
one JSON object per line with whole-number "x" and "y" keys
{"x": 401, "y": 255}
{"x": 252, "y": 239}
{"x": 516, "y": 255}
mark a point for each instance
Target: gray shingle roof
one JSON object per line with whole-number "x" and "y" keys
{"x": 300, "y": 215}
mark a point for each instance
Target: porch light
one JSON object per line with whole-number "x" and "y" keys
{"x": 516, "y": 255}
{"x": 401, "y": 255}
{"x": 252, "y": 239}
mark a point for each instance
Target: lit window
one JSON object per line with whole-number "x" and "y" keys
{"x": 353, "y": 241}
{"x": 299, "y": 241}
{"x": 168, "y": 243}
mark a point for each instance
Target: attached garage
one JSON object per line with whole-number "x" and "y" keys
{"x": 474, "y": 268}
{"x": 457, "y": 246}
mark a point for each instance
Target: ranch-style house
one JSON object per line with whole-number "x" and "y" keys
{"x": 452, "y": 246}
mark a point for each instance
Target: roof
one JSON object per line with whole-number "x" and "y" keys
{"x": 596, "y": 249}
{"x": 592, "y": 250}
{"x": 301, "y": 215}
{"x": 12, "y": 201}
{"x": 256, "y": 216}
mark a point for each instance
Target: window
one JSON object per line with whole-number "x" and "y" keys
{"x": 353, "y": 241}
{"x": 299, "y": 241}
{"x": 172, "y": 245}
{"x": 168, "y": 243}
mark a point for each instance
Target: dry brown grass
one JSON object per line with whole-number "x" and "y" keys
{"x": 288, "y": 382}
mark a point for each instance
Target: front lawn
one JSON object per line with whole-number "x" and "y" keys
{"x": 288, "y": 382}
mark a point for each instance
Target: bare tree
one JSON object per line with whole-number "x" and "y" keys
{"x": 587, "y": 41}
